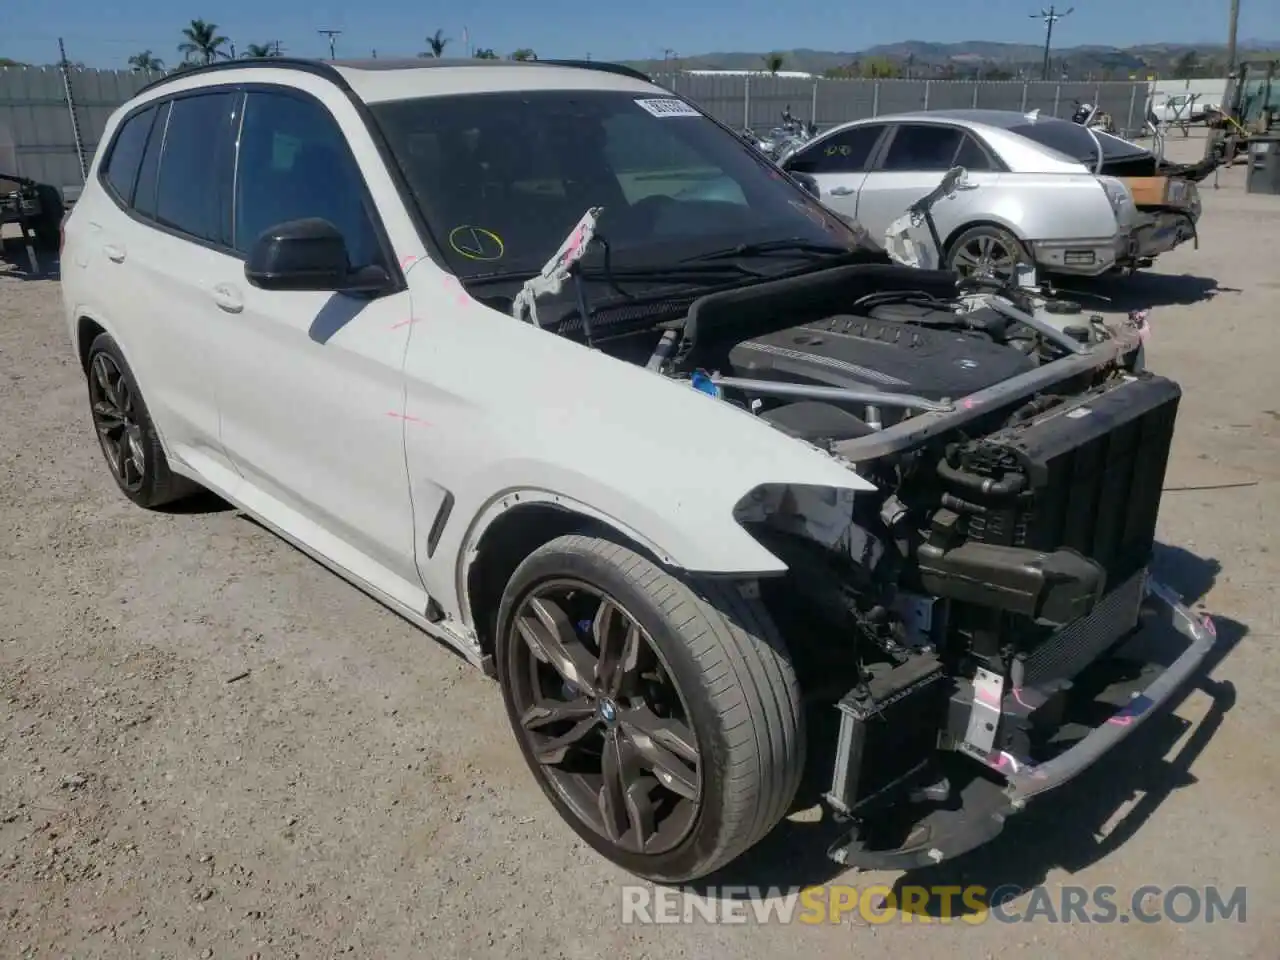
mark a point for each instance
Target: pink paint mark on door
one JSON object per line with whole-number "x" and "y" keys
{"x": 407, "y": 418}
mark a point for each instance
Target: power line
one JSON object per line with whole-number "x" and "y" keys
{"x": 331, "y": 34}
{"x": 1050, "y": 17}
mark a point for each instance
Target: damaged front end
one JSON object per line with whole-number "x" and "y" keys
{"x": 958, "y": 623}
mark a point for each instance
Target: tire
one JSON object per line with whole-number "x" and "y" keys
{"x": 48, "y": 227}
{"x": 966, "y": 248}
{"x": 126, "y": 432}
{"x": 735, "y": 697}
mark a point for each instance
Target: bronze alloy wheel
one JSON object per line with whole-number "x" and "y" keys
{"x": 602, "y": 717}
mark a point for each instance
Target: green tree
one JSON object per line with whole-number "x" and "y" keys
{"x": 144, "y": 62}
{"x": 524, "y": 53}
{"x": 437, "y": 42}
{"x": 486, "y": 53}
{"x": 256, "y": 51}
{"x": 1186, "y": 65}
{"x": 773, "y": 62}
{"x": 202, "y": 42}
{"x": 879, "y": 68}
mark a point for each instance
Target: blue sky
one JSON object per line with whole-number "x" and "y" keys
{"x": 101, "y": 33}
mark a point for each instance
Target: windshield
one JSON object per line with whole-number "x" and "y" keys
{"x": 501, "y": 178}
{"x": 1073, "y": 140}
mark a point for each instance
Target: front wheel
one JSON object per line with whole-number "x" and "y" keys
{"x": 664, "y": 723}
{"x": 987, "y": 251}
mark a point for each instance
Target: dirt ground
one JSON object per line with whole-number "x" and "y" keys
{"x": 358, "y": 792}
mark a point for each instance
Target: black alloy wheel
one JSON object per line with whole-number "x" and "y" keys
{"x": 115, "y": 417}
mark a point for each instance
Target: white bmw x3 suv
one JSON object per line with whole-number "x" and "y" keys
{"x": 561, "y": 370}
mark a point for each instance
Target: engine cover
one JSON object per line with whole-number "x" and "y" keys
{"x": 878, "y": 354}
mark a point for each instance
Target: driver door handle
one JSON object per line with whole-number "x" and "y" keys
{"x": 227, "y": 298}
{"x": 114, "y": 252}
{"x": 842, "y": 191}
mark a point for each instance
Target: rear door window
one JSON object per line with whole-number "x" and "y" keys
{"x": 195, "y": 171}
{"x": 922, "y": 147}
{"x": 120, "y": 171}
{"x": 144, "y": 195}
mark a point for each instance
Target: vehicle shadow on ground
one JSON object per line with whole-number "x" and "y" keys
{"x": 200, "y": 502}
{"x": 16, "y": 264}
{"x": 1066, "y": 829}
{"x": 1144, "y": 290}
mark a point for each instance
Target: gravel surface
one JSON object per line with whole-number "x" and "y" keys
{"x": 211, "y": 747}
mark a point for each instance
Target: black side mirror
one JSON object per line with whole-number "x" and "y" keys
{"x": 808, "y": 182}
{"x": 308, "y": 254}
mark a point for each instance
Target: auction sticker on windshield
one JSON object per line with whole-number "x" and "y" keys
{"x": 660, "y": 107}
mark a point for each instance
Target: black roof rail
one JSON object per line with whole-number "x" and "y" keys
{"x": 318, "y": 67}
{"x": 326, "y": 69}
{"x": 601, "y": 65}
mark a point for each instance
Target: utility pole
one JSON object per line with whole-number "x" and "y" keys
{"x": 1050, "y": 17}
{"x": 331, "y": 34}
{"x": 276, "y": 44}
{"x": 1231, "y": 36}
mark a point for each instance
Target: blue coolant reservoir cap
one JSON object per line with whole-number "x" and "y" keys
{"x": 702, "y": 381}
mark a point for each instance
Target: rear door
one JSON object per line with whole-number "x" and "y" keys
{"x": 911, "y": 163}
{"x": 168, "y": 175}
{"x": 838, "y": 162}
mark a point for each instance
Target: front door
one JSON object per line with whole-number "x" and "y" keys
{"x": 313, "y": 391}
{"x": 838, "y": 162}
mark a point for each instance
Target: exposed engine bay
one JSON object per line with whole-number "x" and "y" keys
{"x": 944, "y": 622}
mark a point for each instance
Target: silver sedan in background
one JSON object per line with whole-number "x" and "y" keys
{"x": 1024, "y": 200}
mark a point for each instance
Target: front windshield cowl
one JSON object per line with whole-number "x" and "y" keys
{"x": 500, "y": 178}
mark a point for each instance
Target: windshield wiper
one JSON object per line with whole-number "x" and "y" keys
{"x": 678, "y": 271}
{"x": 789, "y": 245}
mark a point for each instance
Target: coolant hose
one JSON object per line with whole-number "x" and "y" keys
{"x": 1007, "y": 487}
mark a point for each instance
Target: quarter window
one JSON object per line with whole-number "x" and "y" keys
{"x": 295, "y": 164}
{"x": 121, "y": 168}
{"x": 846, "y": 152}
{"x": 190, "y": 192}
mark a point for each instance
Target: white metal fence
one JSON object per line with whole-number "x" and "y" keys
{"x": 37, "y": 107}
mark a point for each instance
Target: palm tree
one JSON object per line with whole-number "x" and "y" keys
{"x": 437, "y": 42}
{"x": 144, "y": 62}
{"x": 256, "y": 51}
{"x": 773, "y": 63}
{"x": 524, "y": 53}
{"x": 485, "y": 53}
{"x": 203, "y": 42}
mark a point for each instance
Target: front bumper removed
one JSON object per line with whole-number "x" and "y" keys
{"x": 974, "y": 811}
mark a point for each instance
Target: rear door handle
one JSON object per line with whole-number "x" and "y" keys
{"x": 842, "y": 191}
{"x": 114, "y": 252}
{"x": 227, "y": 298}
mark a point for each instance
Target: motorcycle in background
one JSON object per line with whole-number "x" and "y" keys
{"x": 792, "y": 132}
{"x": 1088, "y": 115}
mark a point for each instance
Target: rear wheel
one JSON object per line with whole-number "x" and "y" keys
{"x": 126, "y": 434}
{"x": 986, "y": 251}
{"x": 663, "y": 722}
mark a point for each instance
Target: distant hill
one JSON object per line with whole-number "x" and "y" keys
{"x": 973, "y": 57}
